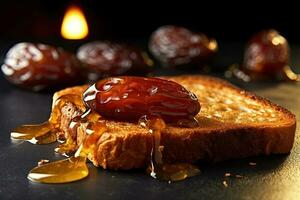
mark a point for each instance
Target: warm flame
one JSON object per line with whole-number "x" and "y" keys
{"x": 74, "y": 25}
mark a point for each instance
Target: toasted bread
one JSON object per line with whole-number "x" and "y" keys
{"x": 233, "y": 123}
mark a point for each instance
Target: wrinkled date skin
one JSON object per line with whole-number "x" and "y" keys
{"x": 176, "y": 46}
{"x": 105, "y": 58}
{"x": 129, "y": 98}
{"x": 39, "y": 66}
{"x": 267, "y": 53}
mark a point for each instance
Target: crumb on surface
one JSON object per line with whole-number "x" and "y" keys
{"x": 252, "y": 163}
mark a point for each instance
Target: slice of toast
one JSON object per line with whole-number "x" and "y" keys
{"x": 233, "y": 123}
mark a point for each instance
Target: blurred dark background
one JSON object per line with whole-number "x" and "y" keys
{"x": 41, "y": 19}
{"x": 128, "y": 21}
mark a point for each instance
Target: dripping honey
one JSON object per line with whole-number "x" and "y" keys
{"x": 45, "y": 133}
{"x": 157, "y": 168}
{"x": 74, "y": 168}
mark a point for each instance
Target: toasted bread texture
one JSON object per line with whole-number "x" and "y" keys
{"x": 233, "y": 124}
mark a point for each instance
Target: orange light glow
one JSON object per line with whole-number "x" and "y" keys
{"x": 74, "y": 25}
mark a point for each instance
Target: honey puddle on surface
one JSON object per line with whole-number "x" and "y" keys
{"x": 62, "y": 171}
{"x": 35, "y": 134}
{"x": 174, "y": 172}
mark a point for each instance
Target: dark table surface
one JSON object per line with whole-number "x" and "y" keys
{"x": 274, "y": 177}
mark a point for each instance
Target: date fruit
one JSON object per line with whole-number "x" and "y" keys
{"x": 128, "y": 98}
{"x": 105, "y": 58}
{"x": 39, "y": 66}
{"x": 267, "y": 53}
{"x": 176, "y": 46}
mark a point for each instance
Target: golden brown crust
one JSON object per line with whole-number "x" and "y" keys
{"x": 127, "y": 145}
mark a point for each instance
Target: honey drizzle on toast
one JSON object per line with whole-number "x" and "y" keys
{"x": 157, "y": 168}
{"x": 74, "y": 168}
{"x": 61, "y": 171}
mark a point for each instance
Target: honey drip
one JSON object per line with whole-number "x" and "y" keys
{"x": 45, "y": 133}
{"x": 157, "y": 168}
{"x": 35, "y": 134}
{"x": 62, "y": 171}
{"x": 73, "y": 168}
{"x": 66, "y": 149}
{"x": 91, "y": 127}
{"x": 85, "y": 125}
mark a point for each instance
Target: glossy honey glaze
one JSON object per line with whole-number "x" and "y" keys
{"x": 62, "y": 171}
{"x": 36, "y": 134}
{"x": 74, "y": 168}
{"x": 157, "y": 168}
{"x": 45, "y": 133}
